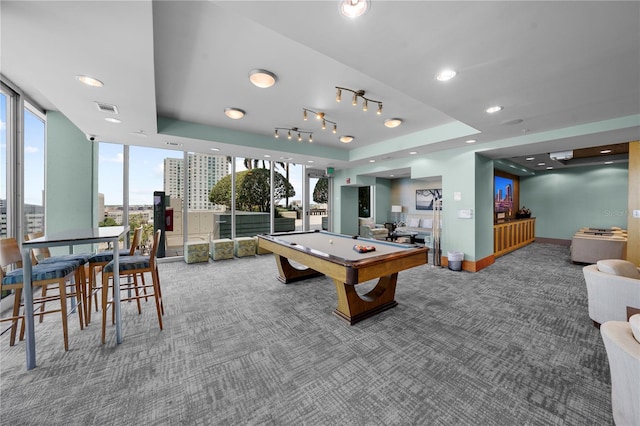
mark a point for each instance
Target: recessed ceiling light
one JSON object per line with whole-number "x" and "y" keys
{"x": 471, "y": 141}
{"x": 493, "y": 109}
{"x": 215, "y": 149}
{"x": 608, "y": 162}
{"x": 346, "y": 138}
{"x": 262, "y": 78}
{"x": 372, "y": 161}
{"x": 445, "y": 75}
{"x": 393, "y": 122}
{"x": 310, "y": 161}
{"x": 234, "y": 113}
{"x": 606, "y": 151}
{"x": 550, "y": 168}
{"x": 112, "y": 120}
{"x": 286, "y": 158}
{"x": 89, "y": 81}
{"x": 413, "y": 152}
{"x": 541, "y": 164}
{"x": 267, "y": 156}
{"x": 530, "y": 158}
{"x": 353, "y": 8}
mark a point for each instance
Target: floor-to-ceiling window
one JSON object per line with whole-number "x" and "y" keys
{"x": 4, "y": 169}
{"x": 156, "y": 170}
{"x": 292, "y": 205}
{"x": 34, "y": 168}
{"x": 22, "y": 159}
{"x": 252, "y": 198}
{"x": 110, "y": 178}
{"x": 318, "y": 200}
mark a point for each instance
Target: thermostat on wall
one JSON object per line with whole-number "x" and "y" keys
{"x": 465, "y": 214}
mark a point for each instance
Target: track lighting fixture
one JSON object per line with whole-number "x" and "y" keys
{"x": 319, "y": 116}
{"x": 294, "y": 130}
{"x": 354, "y": 100}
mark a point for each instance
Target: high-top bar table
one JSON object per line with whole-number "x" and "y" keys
{"x": 108, "y": 234}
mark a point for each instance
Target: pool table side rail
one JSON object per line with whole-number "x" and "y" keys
{"x": 347, "y": 271}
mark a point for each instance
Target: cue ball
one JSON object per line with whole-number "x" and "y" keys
{"x": 330, "y": 241}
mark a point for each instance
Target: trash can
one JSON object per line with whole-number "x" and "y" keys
{"x": 454, "y": 260}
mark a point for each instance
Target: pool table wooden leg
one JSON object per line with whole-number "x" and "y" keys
{"x": 289, "y": 274}
{"x": 353, "y": 308}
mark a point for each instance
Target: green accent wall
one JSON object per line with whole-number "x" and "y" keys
{"x": 564, "y": 201}
{"x": 70, "y": 179}
{"x": 483, "y": 211}
{"x": 382, "y": 207}
{"x": 348, "y": 211}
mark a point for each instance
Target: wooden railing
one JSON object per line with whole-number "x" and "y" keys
{"x": 512, "y": 235}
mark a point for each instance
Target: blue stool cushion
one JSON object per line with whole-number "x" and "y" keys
{"x": 129, "y": 263}
{"x": 80, "y": 259}
{"x": 105, "y": 256}
{"x": 41, "y": 272}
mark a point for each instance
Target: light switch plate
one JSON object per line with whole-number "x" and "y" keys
{"x": 636, "y": 213}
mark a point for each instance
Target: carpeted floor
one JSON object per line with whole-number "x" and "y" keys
{"x": 510, "y": 345}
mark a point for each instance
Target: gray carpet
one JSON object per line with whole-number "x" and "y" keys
{"x": 510, "y": 345}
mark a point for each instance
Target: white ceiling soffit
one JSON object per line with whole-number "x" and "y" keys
{"x": 551, "y": 65}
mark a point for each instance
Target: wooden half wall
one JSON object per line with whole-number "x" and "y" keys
{"x": 633, "y": 223}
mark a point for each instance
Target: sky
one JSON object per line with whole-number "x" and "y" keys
{"x": 34, "y": 136}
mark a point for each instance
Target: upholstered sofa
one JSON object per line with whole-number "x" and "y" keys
{"x": 369, "y": 229}
{"x": 622, "y": 343}
{"x": 612, "y": 286}
{"x": 422, "y": 224}
{"x": 589, "y": 245}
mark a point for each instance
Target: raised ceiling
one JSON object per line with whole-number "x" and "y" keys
{"x": 567, "y": 78}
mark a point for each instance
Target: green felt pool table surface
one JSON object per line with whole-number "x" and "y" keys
{"x": 340, "y": 246}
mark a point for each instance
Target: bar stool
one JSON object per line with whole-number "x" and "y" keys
{"x": 42, "y": 256}
{"x": 99, "y": 260}
{"x": 132, "y": 267}
{"x": 41, "y": 276}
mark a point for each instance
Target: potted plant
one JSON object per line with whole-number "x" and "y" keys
{"x": 523, "y": 213}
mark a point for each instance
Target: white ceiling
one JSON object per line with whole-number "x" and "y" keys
{"x": 556, "y": 66}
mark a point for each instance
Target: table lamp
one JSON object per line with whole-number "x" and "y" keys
{"x": 396, "y": 209}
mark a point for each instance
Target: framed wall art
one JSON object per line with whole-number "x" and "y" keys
{"x": 426, "y": 198}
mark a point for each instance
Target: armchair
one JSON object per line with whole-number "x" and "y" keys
{"x": 612, "y": 285}
{"x": 368, "y": 229}
{"x": 621, "y": 340}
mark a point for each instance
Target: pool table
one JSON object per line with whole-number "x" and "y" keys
{"x": 333, "y": 255}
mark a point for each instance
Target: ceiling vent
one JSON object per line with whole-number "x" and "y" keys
{"x": 111, "y": 109}
{"x": 561, "y": 156}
